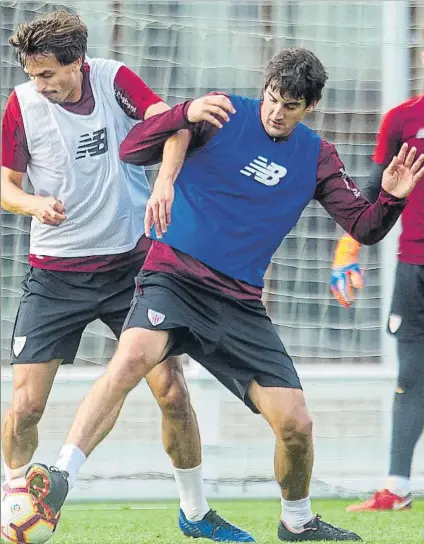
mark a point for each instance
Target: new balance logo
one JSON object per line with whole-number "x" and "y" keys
{"x": 268, "y": 174}
{"x": 95, "y": 144}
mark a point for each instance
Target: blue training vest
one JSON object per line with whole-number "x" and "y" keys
{"x": 238, "y": 196}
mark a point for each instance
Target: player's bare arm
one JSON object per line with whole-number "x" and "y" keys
{"x": 156, "y": 109}
{"x": 158, "y": 209}
{"x": 46, "y": 209}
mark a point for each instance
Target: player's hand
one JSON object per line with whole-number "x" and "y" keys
{"x": 346, "y": 273}
{"x": 48, "y": 210}
{"x": 403, "y": 173}
{"x": 158, "y": 208}
{"x": 211, "y": 108}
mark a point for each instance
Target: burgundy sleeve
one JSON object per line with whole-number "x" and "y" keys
{"x": 132, "y": 94}
{"x": 388, "y": 138}
{"x": 15, "y": 154}
{"x": 341, "y": 197}
{"x": 144, "y": 143}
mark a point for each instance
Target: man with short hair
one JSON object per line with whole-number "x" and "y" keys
{"x": 64, "y": 128}
{"x": 239, "y": 192}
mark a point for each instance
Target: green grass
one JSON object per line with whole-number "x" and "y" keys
{"x": 156, "y": 523}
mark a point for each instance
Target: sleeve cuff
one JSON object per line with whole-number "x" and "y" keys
{"x": 185, "y": 107}
{"x": 390, "y": 199}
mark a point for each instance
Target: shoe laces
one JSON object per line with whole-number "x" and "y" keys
{"x": 56, "y": 470}
{"x": 216, "y": 519}
{"x": 326, "y": 525}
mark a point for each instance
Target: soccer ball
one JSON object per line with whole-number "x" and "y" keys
{"x": 20, "y": 522}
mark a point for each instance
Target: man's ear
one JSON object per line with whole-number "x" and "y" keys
{"x": 76, "y": 65}
{"x": 311, "y": 107}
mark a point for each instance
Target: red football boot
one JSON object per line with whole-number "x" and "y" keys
{"x": 382, "y": 500}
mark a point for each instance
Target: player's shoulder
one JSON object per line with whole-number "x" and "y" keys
{"x": 414, "y": 107}
{"x": 328, "y": 147}
{"x": 304, "y": 129}
{"x": 23, "y": 87}
{"x": 220, "y": 93}
{"x": 12, "y": 101}
{"x": 407, "y": 108}
{"x": 101, "y": 61}
{"x": 12, "y": 109}
{"x": 26, "y": 95}
{"x": 328, "y": 154}
{"x": 306, "y": 136}
{"x": 102, "y": 67}
{"x": 413, "y": 102}
{"x": 244, "y": 103}
{"x": 242, "y": 99}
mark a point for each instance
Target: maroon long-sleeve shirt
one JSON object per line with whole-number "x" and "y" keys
{"x": 336, "y": 192}
{"x": 404, "y": 123}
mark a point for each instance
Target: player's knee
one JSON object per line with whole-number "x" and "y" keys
{"x": 127, "y": 373}
{"x": 135, "y": 357}
{"x": 174, "y": 400}
{"x": 295, "y": 428}
{"x": 26, "y": 413}
{"x": 128, "y": 368}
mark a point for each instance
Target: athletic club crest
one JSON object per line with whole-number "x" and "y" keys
{"x": 155, "y": 318}
{"x": 395, "y": 321}
{"x": 18, "y": 344}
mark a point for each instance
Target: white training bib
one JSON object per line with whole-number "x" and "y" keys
{"x": 75, "y": 158}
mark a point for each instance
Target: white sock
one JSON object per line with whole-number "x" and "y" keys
{"x": 17, "y": 474}
{"x": 296, "y": 514}
{"x": 71, "y": 459}
{"x": 192, "y": 493}
{"x": 399, "y": 485}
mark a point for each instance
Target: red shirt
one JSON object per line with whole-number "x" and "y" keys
{"x": 134, "y": 97}
{"x": 336, "y": 192}
{"x": 405, "y": 123}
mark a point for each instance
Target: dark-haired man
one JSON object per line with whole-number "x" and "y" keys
{"x": 64, "y": 128}
{"x": 240, "y": 190}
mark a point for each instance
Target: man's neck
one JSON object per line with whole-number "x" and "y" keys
{"x": 75, "y": 96}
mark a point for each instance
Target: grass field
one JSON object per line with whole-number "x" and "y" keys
{"x": 156, "y": 523}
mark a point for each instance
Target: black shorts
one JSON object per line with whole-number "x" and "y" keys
{"x": 406, "y": 320}
{"x": 56, "y": 307}
{"x": 233, "y": 339}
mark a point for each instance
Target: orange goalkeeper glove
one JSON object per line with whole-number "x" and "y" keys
{"x": 346, "y": 273}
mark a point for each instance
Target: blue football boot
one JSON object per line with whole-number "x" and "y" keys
{"x": 213, "y": 527}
